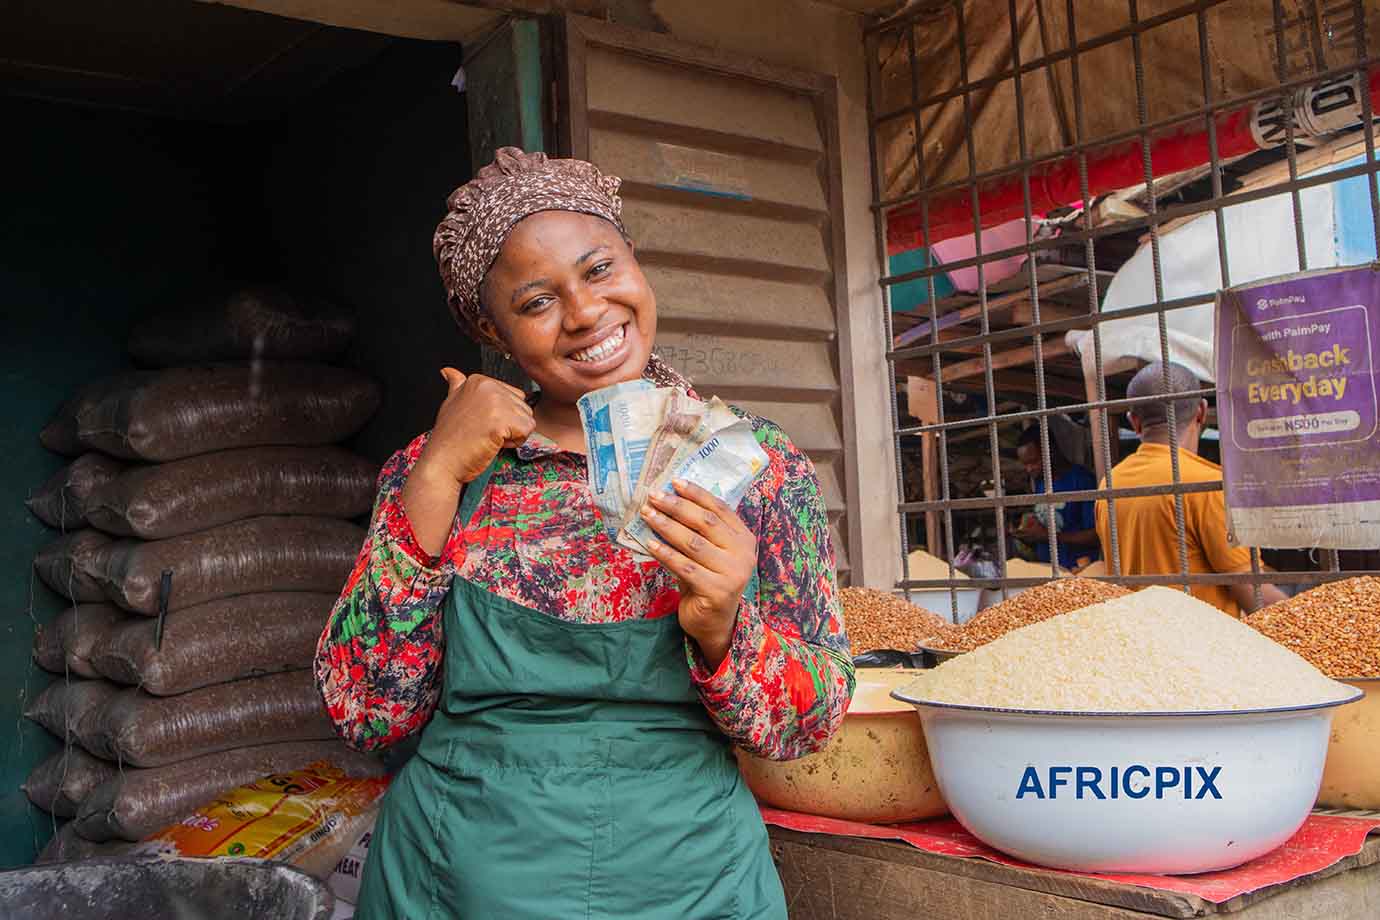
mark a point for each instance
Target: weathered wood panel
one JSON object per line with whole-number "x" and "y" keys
{"x": 719, "y": 362}
{"x": 640, "y": 88}
{"x": 686, "y": 297}
{"x": 705, "y": 233}
{"x": 654, "y": 161}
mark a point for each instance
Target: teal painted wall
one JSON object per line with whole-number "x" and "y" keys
{"x": 104, "y": 214}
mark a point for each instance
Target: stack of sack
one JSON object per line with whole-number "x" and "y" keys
{"x": 207, "y": 524}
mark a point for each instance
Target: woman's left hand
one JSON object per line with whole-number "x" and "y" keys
{"x": 711, "y": 551}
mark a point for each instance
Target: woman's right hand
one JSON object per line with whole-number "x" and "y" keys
{"x": 479, "y": 417}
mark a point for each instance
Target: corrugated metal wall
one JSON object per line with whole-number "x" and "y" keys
{"x": 727, "y": 191}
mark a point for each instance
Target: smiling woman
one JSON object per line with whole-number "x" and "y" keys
{"x": 579, "y": 705}
{"x": 571, "y": 303}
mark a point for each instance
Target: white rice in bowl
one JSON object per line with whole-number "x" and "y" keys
{"x": 1158, "y": 650}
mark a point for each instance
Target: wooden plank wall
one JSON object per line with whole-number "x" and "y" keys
{"x": 727, "y": 191}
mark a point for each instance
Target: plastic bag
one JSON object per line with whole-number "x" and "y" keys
{"x": 345, "y": 879}
{"x": 185, "y": 411}
{"x": 261, "y": 321}
{"x": 48, "y": 651}
{"x": 60, "y": 783}
{"x": 86, "y": 629}
{"x": 68, "y": 642}
{"x": 136, "y": 728}
{"x": 883, "y": 658}
{"x": 68, "y": 846}
{"x": 254, "y": 556}
{"x": 62, "y": 501}
{"x": 136, "y": 803}
{"x": 213, "y": 643}
{"x": 69, "y": 564}
{"x": 198, "y": 493}
{"x": 62, "y": 435}
{"x": 308, "y": 817}
{"x": 66, "y": 706}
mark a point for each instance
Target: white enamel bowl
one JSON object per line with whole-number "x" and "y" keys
{"x": 1011, "y": 777}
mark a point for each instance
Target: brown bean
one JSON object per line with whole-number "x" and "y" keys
{"x": 1032, "y": 605}
{"x": 1335, "y": 627}
{"x": 879, "y": 620}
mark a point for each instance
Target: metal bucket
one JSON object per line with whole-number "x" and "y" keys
{"x": 175, "y": 889}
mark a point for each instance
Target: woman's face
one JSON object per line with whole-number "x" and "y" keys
{"x": 569, "y": 300}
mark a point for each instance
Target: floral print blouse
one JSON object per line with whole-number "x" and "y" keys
{"x": 536, "y": 539}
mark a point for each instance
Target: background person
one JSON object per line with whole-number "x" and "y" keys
{"x": 1077, "y": 521}
{"x": 1147, "y": 536}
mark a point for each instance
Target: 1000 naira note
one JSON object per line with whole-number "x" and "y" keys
{"x": 725, "y": 466}
{"x": 601, "y": 451}
{"x": 639, "y": 438}
{"x": 635, "y": 419}
{"x": 684, "y": 416}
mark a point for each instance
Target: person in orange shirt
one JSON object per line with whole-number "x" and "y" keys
{"x": 1147, "y": 535}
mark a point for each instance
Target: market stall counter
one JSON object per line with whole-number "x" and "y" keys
{"x": 837, "y": 870}
{"x": 1235, "y": 724}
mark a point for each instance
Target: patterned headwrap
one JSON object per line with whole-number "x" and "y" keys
{"x": 482, "y": 212}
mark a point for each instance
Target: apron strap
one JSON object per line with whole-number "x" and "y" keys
{"x": 474, "y": 491}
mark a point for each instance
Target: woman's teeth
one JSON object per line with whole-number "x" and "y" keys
{"x": 603, "y": 349}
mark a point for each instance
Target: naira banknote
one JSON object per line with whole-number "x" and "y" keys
{"x": 601, "y": 451}
{"x": 711, "y": 417}
{"x": 725, "y": 465}
{"x": 639, "y": 439}
{"x": 716, "y": 417}
{"x": 635, "y": 418}
{"x": 683, "y": 417}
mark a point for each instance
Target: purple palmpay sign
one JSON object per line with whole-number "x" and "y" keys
{"x": 1298, "y": 410}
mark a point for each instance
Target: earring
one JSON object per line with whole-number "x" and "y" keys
{"x": 507, "y": 357}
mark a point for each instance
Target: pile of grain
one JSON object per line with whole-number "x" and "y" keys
{"x": 1335, "y": 626}
{"x": 1024, "y": 568}
{"x": 1158, "y": 650}
{"x": 924, "y": 567}
{"x": 1032, "y": 605}
{"x": 878, "y": 620}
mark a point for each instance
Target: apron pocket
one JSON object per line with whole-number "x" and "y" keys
{"x": 519, "y": 842}
{"x": 674, "y": 854}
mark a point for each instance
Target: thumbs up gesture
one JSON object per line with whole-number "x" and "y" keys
{"x": 479, "y": 417}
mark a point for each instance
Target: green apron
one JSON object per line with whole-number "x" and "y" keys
{"x": 570, "y": 771}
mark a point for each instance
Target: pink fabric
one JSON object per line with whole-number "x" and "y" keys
{"x": 1322, "y": 841}
{"x": 994, "y": 239}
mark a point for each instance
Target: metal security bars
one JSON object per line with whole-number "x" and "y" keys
{"x": 1026, "y": 150}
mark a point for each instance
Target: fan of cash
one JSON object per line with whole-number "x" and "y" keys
{"x": 639, "y": 438}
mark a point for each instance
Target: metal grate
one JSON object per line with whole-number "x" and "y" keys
{"x": 1077, "y": 86}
